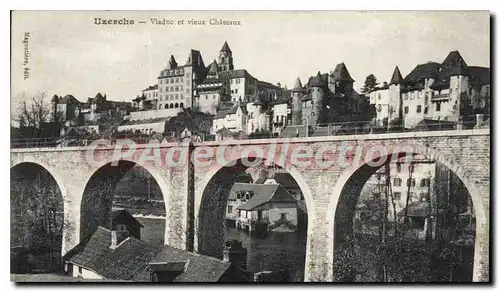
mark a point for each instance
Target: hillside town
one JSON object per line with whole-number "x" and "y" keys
{"x": 217, "y": 102}
{"x": 200, "y": 100}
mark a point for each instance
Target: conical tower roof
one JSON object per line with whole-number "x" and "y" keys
{"x": 225, "y": 48}
{"x": 454, "y": 64}
{"x": 396, "y": 77}
{"x": 341, "y": 73}
{"x": 213, "y": 68}
{"x": 55, "y": 98}
{"x": 317, "y": 81}
{"x": 298, "y": 85}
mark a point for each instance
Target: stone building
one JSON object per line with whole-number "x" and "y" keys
{"x": 447, "y": 91}
{"x": 271, "y": 205}
{"x": 211, "y": 91}
{"x": 234, "y": 119}
{"x": 147, "y": 99}
{"x": 326, "y": 98}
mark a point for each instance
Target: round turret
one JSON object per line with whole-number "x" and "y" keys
{"x": 297, "y": 94}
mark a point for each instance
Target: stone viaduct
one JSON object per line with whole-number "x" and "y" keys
{"x": 330, "y": 171}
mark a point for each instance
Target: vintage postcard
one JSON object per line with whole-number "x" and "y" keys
{"x": 238, "y": 146}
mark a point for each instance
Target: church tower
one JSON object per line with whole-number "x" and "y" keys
{"x": 225, "y": 58}
{"x": 297, "y": 94}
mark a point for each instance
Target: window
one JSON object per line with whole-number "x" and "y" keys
{"x": 161, "y": 106}
{"x": 419, "y": 108}
{"x": 236, "y": 91}
{"x": 80, "y": 270}
{"x": 237, "y": 81}
{"x": 398, "y": 167}
{"x": 229, "y": 209}
{"x": 423, "y": 197}
{"x": 425, "y": 182}
{"x": 397, "y": 195}
{"x": 379, "y": 97}
{"x": 426, "y": 109}
{"x": 407, "y": 110}
{"x": 412, "y": 182}
{"x": 397, "y": 182}
{"x": 438, "y": 107}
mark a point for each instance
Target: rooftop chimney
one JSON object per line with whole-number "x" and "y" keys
{"x": 118, "y": 237}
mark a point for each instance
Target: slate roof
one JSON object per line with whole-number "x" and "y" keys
{"x": 213, "y": 69}
{"x": 194, "y": 58}
{"x": 222, "y": 113}
{"x": 422, "y": 71}
{"x": 262, "y": 193}
{"x": 225, "y": 48}
{"x": 396, "y": 77}
{"x": 317, "y": 81}
{"x": 267, "y": 85}
{"x": 283, "y": 98}
{"x": 172, "y": 64}
{"x": 341, "y": 73}
{"x": 240, "y": 73}
{"x": 200, "y": 268}
{"x": 452, "y": 65}
{"x": 298, "y": 85}
{"x": 69, "y": 99}
{"x": 129, "y": 260}
{"x": 479, "y": 75}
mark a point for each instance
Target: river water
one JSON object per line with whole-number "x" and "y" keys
{"x": 276, "y": 251}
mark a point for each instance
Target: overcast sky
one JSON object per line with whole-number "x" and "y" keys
{"x": 69, "y": 54}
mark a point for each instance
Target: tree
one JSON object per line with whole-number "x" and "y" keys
{"x": 370, "y": 84}
{"x": 37, "y": 216}
{"x": 33, "y": 116}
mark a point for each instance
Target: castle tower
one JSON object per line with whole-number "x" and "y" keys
{"x": 225, "y": 58}
{"x": 340, "y": 81}
{"x": 258, "y": 112}
{"x": 458, "y": 71}
{"x": 395, "y": 102}
{"x": 317, "y": 95}
{"x": 54, "y": 102}
{"x": 297, "y": 94}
